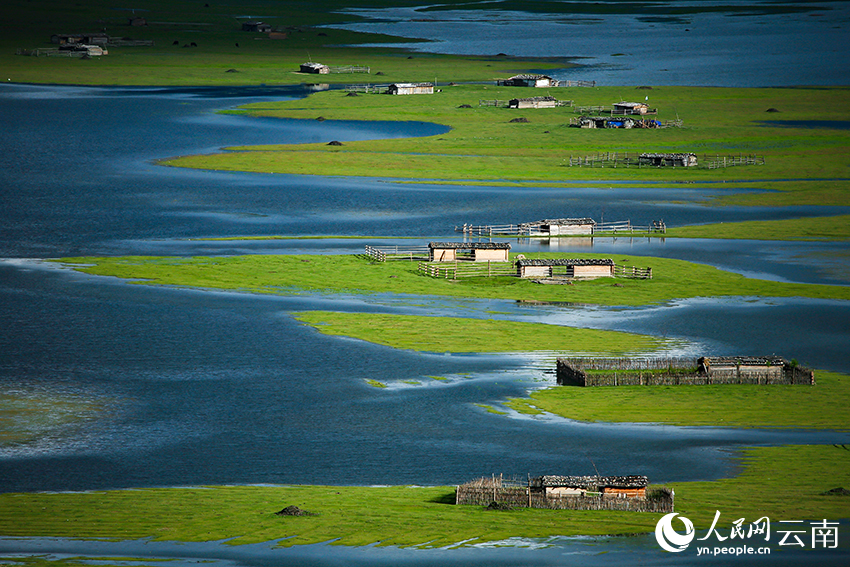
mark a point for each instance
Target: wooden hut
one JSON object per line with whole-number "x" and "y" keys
{"x": 579, "y": 268}
{"x": 528, "y": 80}
{"x": 255, "y": 26}
{"x": 533, "y": 102}
{"x": 475, "y": 251}
{"x": 669, "y": 160}
{"x": 316, "y": 68}
{"x": 410, "y": 88}
{"x": 630, "y": 108}
{"x": 559, "y": 227}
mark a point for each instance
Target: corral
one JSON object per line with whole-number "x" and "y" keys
{"x": 625, "y": 493}
{"x": 764, "y": 370}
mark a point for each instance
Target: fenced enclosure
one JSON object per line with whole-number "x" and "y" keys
{"x": 585, "y": 372}
{"x": 367, "y": 89}
{"x": 535, "y": 230}
{"x": 521, "y": 493}
{"x": 384, "y": 253}
{"x": 627, "y": 159}
{"x": 466, "y": 269}
{"x": 349, "y": 69}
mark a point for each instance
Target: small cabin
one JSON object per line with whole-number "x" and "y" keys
{"x": 136, "y": 21}
{"x": 560, "y": 227}
{"x": 315, "y": 68}
{"x": 669, "y": 160}
{"x": 577, "y": 268}
{"x": 474, "y": 251}
{"x": 528, "y": 80}
{"x": 255, "y": 26}
{"x": 630, "y": 108}
{"x": 533, "y": 102}
{"x": 410, "y": 88}
{"x": 554, "y": 486}
{"x": 75, "y": 38}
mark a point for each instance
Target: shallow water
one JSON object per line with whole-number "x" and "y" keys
{"x": 694, "y": 43}
{"x": 214, "y": 388}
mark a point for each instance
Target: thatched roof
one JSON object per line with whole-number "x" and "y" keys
{"x": 470, "y": 245}
{"x": 561, "y": 222}
{"x": 590, "y": 482}
{"x": 566, "y": 262}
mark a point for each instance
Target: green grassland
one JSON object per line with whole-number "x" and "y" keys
{"x": 459, "y": 335}
{"x": 779, "y": 482}
{"x": 823, "y": 406}
{"x": 483, "y": 144}
{"x": 672, "y": 279}
{"x": 223, "y": 54}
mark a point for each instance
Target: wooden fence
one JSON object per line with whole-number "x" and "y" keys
{"x": 531, "y": 230}
{"x": 376, "y": 89}
{"x": 632, "y": 272}
{"x": 575, "y": 84}
{"x": 669, "y": 372}
{"x": 384, "y": 253}
{"x": 625, "y": 159}
{"x": 467, "y": 269}
{"x": 729, "y": 161}
{"x": 349, "y": 69}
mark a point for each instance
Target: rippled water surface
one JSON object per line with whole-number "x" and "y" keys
{"x": 197, "y": 387}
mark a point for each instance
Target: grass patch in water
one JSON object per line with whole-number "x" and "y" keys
{"x": 809, "y": 228}
{"x": 452, "y": 334}
{"x": 779, "y": 482}
{"x": 672, "y": 279}
{"x": 823, "y": 406}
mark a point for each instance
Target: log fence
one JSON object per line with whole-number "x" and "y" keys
{"x": 383, "y": 253}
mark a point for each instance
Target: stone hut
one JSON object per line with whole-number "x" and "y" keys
{"x": 558, "y": 227}
{"x": 474, "y": 251}
{"x": 533, "y": 102}
{"x": 528, "y": 80}
{"x": 410, "y": 88}
{"x": 581, "y": 268}
{"x": 630, "y": 108}
{"x": 316, "y": 68}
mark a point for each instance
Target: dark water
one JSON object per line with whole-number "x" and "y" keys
{"x": 217, "y": 388}
{"x": 695, "y": 43}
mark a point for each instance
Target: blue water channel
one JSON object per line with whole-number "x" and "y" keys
{"x": 207, "y": 388}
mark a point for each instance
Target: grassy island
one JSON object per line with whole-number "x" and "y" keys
{"x": 195, "y": 44}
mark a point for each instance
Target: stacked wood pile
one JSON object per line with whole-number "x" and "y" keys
{"x": 681, "y": 371}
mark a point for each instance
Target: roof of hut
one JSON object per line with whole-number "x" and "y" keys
{"x": 587, "y": 482}
{"x": 529, "y": 76}
{"x": 561, "y": 222}
{"x": 313, "y": 65}
{"x": 565, "y": 262}
{"x": 535, "y": 99}
{"x": 471, "y": 245}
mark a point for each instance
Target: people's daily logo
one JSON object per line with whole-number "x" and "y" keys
{"x": 667, "y": 536}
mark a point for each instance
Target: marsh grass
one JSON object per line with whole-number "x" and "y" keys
{"x": 781, "y": 482}
{"x": 823, "y": 406}
{"x": 484, "y": 145}
{"x": 811, "y": 228}
{"x": 459, "y": 335}
{"x": 282, "y": 274}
